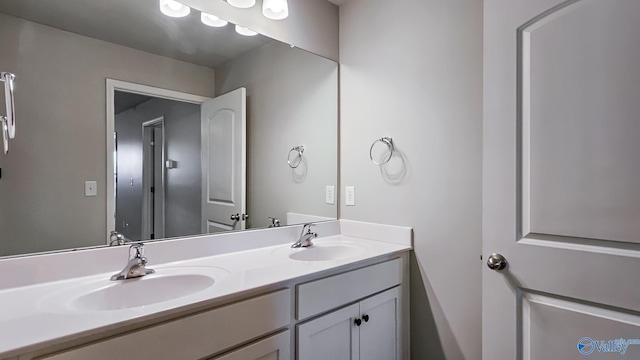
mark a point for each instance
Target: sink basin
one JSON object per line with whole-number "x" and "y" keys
{"x": 323, "y": 251}
{"x": 167, "y": 284}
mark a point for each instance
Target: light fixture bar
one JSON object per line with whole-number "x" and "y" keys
{"x": 275, "y": 9}
{"x": 242, "y": 4}
{"x": 212, "y": 20}
{"x": 244, "y": 31}
{"x": 173, "y": 8}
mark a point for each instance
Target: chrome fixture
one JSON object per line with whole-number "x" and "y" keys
{"x": 8, "y": 121}
{"x": 292, "y": 162}
{"x": 136, "y": 267}
{"x": 116, "y": 238}
{"x": 497, "y": 262}
{"x": 391, "y": 148}
{"x": 274, "y": 222}
{"x": 237, "y": 217}
{"x": 305, "y": 237}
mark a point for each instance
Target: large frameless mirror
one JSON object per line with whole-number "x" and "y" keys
{"x": 156, "y": 127}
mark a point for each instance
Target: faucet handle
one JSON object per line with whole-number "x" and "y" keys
{"x": 306, "y": 228}
{"x": 136, "y": 251}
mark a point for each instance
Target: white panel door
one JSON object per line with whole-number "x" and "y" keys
{"x": 380, "y": 329}
{"x": 224, "y": 162}
{"x": 562, "y": 179}
{"x": 333, "y": 336}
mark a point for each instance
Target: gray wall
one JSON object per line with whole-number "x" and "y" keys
{"x": 60, "y": 143}
{"x": 283, "y": 111}
{"x": 182, "y": 184}
{"x": 412, "y": 70}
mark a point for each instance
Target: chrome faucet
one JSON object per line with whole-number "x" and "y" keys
{"x": 305, "y": 237}
{"x": 136, "y": 265}
{"x": 117, "y": 238}
{"x": 275, "y": 222}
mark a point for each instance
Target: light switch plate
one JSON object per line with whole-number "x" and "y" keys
{"x": 90, "y": 188}
{"x": 350, "y": 195}
{"x": 330, "y": 195}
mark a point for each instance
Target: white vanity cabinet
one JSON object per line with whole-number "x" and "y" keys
{"x": 196, "y": 336}
{"x": 277, "y": 347}
{"x": 368, "y": 330}
{"x": 357, "y": 312}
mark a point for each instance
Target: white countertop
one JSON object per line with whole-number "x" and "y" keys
{"x": 32, "y": 315}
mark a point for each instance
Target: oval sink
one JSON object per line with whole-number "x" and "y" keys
{"x": 324, "y": 251}
{"x": 167, "y": 284}
{"x": 142, "y": 291}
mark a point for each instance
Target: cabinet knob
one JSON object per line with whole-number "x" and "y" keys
{"x": 358, "y": 322}
{"x": 365, "y": 318}
{"x": 235, "y": 217}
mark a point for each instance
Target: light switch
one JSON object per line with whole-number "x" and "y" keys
{"x": 330, "y": 195}
{"x": 90, "y": 188}
{"x": 350, "y": 195}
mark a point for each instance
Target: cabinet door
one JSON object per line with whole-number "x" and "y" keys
{"x": 333, "y": 336}
{"x": 380, "y": 329}
{"x": 276, "y": 347}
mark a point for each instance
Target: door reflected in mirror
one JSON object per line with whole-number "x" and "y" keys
{"x": 74, "y": 77}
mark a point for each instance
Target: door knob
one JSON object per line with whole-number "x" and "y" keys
{"x": 235, "y": 217}
{"x": 496, "y": 262}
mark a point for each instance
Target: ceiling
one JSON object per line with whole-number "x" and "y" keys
{"x": 138, "y": 24}
{"x": 125, "y": 101}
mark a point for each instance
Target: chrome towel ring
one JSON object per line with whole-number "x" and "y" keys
{"x": 387, "y": 141}
{"x": 292, "y": 162}
{"x": 8, "y": 121}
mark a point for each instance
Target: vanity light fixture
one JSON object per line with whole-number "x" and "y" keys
{"x": 244, "y": 31}
{"x": 275, "y": 9}
{"x": 173, "y": 8}
{"x": 212, "y": 20}
{"x": 242, "y": 4}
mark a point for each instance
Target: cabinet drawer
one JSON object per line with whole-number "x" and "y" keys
{"x": 277, "y": 347}
{"x": 195, "y": 336}
{"x": 329, "y": 293}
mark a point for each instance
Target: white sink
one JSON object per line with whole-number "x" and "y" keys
{"x": 167, "y": 284}
{"x": 323, "y": 251}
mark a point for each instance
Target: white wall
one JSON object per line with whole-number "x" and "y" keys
{"x": 412, "y": 70}
{"x": 182, "y": 205}
{"x": 60, "y": 136}
{"x": 291, "y": 100}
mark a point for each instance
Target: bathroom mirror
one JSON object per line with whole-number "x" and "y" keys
{"x": 97, "y": 80}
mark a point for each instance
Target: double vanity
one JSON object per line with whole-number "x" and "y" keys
{"x": 247, "y": 295}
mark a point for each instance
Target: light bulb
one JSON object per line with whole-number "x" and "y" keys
{"x": 242, "y": 4}
{"x": 173, "y": 8}
{"x": 244, "y": 31}
{"x": 275, "y": 9}
{"x": 174, "y": 5}
{"x": 212, "y": 20}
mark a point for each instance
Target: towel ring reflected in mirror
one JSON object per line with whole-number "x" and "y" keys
{"x": 389, "y": 143}
{"x": 292, "y": 162}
